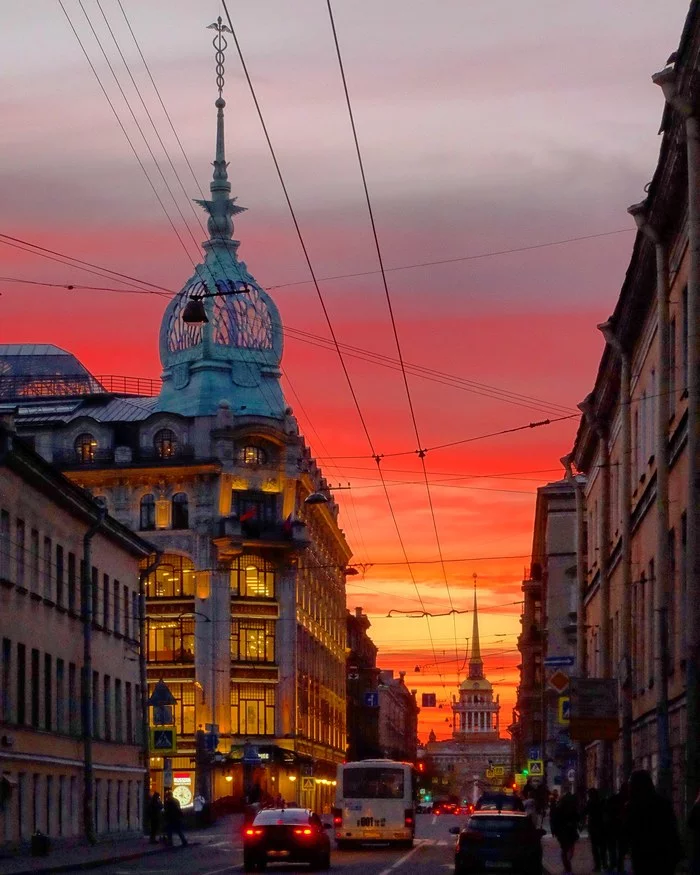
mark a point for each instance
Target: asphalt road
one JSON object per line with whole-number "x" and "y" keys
{"x": 220, "y": 853}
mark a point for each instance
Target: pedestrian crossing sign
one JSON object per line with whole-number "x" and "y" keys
{"x": 163, "y": 741}
{"x": 307, "y": 784}
{"x": 535, "y": 768}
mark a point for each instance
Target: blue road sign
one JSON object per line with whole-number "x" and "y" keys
{"x": 211, "y": 741}
{"x": 559, "y": 661}
{"x": 533, "y": 753}
{"x": 372, "y": 699}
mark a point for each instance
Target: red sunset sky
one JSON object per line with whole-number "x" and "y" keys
{"x": 484, "y": 127}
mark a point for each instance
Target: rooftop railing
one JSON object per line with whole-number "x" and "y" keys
{"x": 20, "y": 387}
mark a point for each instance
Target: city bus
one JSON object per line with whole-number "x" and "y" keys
{"x": 374, "y": 802}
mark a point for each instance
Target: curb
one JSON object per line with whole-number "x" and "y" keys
{"x": 96, "y": 864}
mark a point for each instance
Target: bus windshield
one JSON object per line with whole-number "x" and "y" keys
{"x": 373, "y": 782}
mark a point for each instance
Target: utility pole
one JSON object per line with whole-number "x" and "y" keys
{"x": 87, "y": 703}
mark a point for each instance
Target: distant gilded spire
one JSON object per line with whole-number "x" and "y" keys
{"x": 476, "y": 664}
{"x": 222, "y": 206}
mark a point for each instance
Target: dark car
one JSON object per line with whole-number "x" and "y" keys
{"x": 499, "y": 841}
{"x": 499, "y": 802}
{"x": 286, "y": 835}
{"x": 444, "y": 807}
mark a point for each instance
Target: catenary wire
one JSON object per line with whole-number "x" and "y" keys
{"x": 313, "y": 276}
{"x": 121, "y": 125}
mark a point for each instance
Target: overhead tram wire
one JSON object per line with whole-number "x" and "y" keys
{"x": 321, "y": 342}
{"x": 316, "y": 284}
{"x": 459, "y": 258}
{"x": 354, "y": 523}
{"x": 121, "y": 125}
{"x": 136, "y": 121}
{"x": 380, "y": 260}
{"x": 97, "y": 269}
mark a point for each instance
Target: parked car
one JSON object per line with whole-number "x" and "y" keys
{"x": 286, "y": 835}
{"x": 498, "y": 840}
{"x": 499, "y": 802}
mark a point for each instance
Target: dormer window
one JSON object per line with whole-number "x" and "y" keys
{"x": 165, "y": 443}
{"x": 85, "y": 447}
{"x": 252, "y": 456}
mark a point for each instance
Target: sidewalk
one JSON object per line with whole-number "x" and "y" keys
{"x": 76, "y": 856}
{"x": 551, "y": 856}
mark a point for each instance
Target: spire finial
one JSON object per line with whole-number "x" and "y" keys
{"x": 476, "y": 665}
{"x": 221, "y": 206}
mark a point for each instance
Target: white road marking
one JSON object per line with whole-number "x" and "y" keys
{"x": 398, "y": 863}
{"x": 235, "y": 866}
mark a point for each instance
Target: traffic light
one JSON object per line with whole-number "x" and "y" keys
{"x": 526, "y": 772}
{"x": 514, "y": 786}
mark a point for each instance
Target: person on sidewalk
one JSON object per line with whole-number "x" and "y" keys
{"x": 564, "y": 827}
{"x": 594, "y": 814}
{"x": 651, "y": 828}
{"x": 694, "y": 829}
{"x": 614, "y": 828}
{"x": 155, "y": 807}
{"x": 173, "y": 819}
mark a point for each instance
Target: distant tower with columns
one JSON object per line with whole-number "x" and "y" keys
{"x": 475, "y": 713}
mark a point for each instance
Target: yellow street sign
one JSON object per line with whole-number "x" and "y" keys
{"x": 490, "y": 773}
{"x": 307, "y": 784}
{"x": 499, "y": 771}
{"x": 535, "y": 768}
{"x": 163, "y": 740}
{"x": 564, "y": 710}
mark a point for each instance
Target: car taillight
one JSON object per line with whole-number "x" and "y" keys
{"x": 337, "y": 816}
{"x": 253, "y": 832}
{"x": 408, "y": 818}
{"x": 303, "y": 832}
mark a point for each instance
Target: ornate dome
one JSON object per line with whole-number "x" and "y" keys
{"x": 476, "y": 684}
{"x": 234, "y": 356}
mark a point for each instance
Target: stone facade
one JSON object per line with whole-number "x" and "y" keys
{"x": 43, "y": 522}
{"x": 246, "y": 599}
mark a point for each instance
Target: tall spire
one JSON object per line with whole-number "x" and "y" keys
{"x": 222, "y": 206}
{"x": 476, "y": 664}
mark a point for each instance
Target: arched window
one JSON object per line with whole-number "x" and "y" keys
{"x": 85, "y": 446}
{"x": 173, "y": 578}
{"x": 181, "y": 516}
{"x": 148, "y": 513}
{"x": 252, "y": 456}
{"x": 253, "y": 577}
{"x": 165, "y": 443}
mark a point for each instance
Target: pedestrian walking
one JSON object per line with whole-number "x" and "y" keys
{"x": 594, "y": 813}
{"x": 530, "y": 807}
{"x": 173, "y": 818}
{"x": 155, "y": 807}
{"x": 650, "y": 828}
{"x": 694, "y": 829}
{"x": 565, "y": 827}
{"x": 614, "y": 828}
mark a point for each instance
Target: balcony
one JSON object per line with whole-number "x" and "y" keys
{"x": 234, "y": 535}
{"x": 121, "y": 456}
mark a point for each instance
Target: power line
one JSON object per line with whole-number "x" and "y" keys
{"x": 461, "y": 441}
{"x": 492, "y": 254}
{"x": 119, "y": 121}
{"x": 105, "y": 272}
{"x": 385, "y": 284}
{"x": 313, "y": 275}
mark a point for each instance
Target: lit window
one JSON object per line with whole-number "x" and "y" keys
{"x": 173, "y": 578}
{"x": 85, "y": 447}
{"x": 165, "y": 443}
{"x": 252, "y": 456}
{"x": 253, "y": 577}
